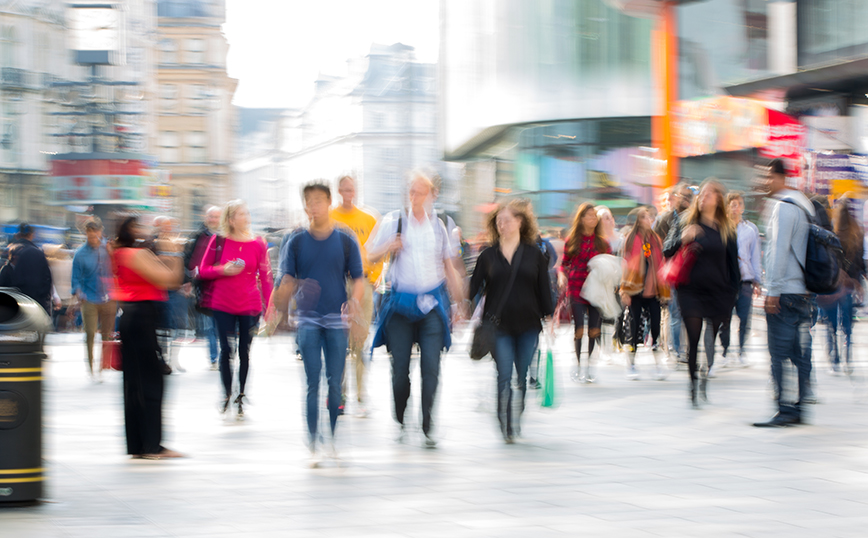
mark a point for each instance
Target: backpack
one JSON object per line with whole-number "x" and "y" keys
{"x": 824, "y": 249}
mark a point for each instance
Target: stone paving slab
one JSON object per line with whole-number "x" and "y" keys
{"x": 623, "y": 458}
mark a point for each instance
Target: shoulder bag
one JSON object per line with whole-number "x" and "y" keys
{"x": 485, "y": 333}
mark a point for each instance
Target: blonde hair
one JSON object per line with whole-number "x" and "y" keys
{"x": 229, "y": 210}
{"x": 522, "y": 210}
{"x": 721, "y": 215}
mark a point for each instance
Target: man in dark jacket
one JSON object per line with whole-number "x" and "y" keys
{"x": 193, "y": 254}
{"x": 31, "y": 274}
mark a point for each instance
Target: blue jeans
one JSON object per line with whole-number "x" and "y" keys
{"x": 209, "y": 331}
{"x": 428, "y": 333}
{"x": 789, "y": 333}
{"x": 316, "y": 343}
{"x": 675, "y": 323}
{"x": 839, "y": 311}
{"x": 743, "y": 306}
{"x": 512, "y": 350}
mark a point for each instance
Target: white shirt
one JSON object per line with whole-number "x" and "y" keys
{"x": 418, "y": 266}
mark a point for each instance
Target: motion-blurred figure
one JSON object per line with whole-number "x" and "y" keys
{"x": 749, "y": 264}
{"x": 679, "y": 200}
{"x": 237, "y": 262}
{"x": 583, "y": 243}
{"x": 417, "y": 309}
{"x": 173, "y": 317}
{"x": 91, "y": 275}
{"x": 193, "y": 254}
{"x": 142, "y": 280}
{"x": 788, "y": 305}
{"x": 837, "y": 308}
{"x": 362, "y": 224}
{"x": 315, "y": 266}
{"x": 513, "y": 260}
{"x": 641, "y": 288}
{"x": 31, "y": 274}
{"x": 714, "y": 280}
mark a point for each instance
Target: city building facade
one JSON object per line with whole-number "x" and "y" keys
{"x": 377, "y": 122}
{"x": 195, "y": 117}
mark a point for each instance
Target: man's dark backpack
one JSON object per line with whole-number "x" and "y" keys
{"x": 822, "y": 255}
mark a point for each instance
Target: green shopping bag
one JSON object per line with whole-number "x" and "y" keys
{"x": 548, "y": 384}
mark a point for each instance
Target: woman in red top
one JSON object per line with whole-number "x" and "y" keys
{"x": 237, "y": 263}
{"x": 583, "y": 243}
{"x": 142, "y": 281}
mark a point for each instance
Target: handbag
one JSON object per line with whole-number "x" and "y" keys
{"x": 111, "y": 356}
{"x": 485, "y": 333}
{"x": 202, "y": 288}
{"x": 676, "y": 271}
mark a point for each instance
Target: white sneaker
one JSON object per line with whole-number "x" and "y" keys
{"x": 315, "y": 459}
{"x": 662, "y": 372}
{"x": 712, "y": 372}
{"x": 632, "y": 373}
{"x": 742, "y": 360}
{"x": 591, "y": 375}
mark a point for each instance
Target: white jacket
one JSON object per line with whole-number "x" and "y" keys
{"x": 603, "y": 280}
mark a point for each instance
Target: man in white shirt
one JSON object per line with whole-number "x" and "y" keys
{"x": 417, "y": 307}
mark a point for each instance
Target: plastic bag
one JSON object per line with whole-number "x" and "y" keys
{"x": 548, "y": 384}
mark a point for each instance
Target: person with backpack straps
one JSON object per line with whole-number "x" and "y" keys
{"x": 417, "y": 307}
{"x": 788, "y": 302}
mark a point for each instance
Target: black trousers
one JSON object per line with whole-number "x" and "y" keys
{"x": 143, "y": 377}
{"x": 650, "y": 305}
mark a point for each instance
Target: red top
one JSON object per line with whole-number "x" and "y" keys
{"x": 575, "y": 266}
{"x": 246, "y": 293}
{"x": 131, "y": 286}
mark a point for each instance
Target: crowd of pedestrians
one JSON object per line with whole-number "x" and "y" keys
{"x": 353, "y": 281}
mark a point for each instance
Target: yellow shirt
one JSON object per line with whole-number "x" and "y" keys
{"x": 362, "y": 224}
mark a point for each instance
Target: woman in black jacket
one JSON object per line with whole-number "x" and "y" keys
{"x": 513, "y": 233}
{"x": 711, "y": 290}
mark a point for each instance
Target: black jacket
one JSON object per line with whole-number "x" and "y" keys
{"x": 194, "y": 251}
{"x": 31, "y": 274}
{"x": 530, "y": 298}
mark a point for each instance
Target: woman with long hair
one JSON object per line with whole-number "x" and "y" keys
{"x": 237, "y": 262}
{"x": 513, "y": 232}
{"x": 837, "y": 308}
{"x": 584, "y": 242}
{"x": 641, "y": 288}
{"x": 606, "y": 228}
{"x": 142, "y": 279}
{"x": 712, "y": 287}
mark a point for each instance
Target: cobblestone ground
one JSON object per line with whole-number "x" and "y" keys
{"x": 617, "y": 458}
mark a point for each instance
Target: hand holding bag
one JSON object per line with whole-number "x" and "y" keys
{"x": 676, "y": 271}
{"x": 486, "y": 331}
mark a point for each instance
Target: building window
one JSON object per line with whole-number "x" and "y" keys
{"x": 200, "y": 98}
{"x": 169, "y": 147}
{"x": 196, "y": 147}
{"x": 194, "y": 51}
{"x": 168, "y": 97}
{"x": 168, "y": 51}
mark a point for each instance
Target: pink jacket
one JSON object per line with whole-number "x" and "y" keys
{"x": 246, "y": 293}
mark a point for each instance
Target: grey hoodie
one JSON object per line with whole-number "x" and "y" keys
{"x": 786, "y": 242}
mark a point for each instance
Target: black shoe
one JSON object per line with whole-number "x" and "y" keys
{"x": 693, "y": 401}
{"x": 779, "y": 421}
{"x": 224, "y": 405}
{"x": 239, "y": 401}
{"x": 703, "y": 383}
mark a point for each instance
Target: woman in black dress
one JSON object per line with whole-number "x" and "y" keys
{"x": 712, "y": 288}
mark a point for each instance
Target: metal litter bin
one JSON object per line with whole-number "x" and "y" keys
{"x": 23, "y": 324}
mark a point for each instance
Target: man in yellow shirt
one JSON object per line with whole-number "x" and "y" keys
{"x": 362, "y": 224}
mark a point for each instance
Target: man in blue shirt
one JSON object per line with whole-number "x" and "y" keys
{"x": 91, "y": 270}
{"x": 314, "y": 266}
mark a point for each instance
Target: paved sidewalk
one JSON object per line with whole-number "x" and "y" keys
{"x": 618, "y": 458}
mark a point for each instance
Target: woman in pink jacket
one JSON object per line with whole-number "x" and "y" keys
{"x": 238, "y": 267}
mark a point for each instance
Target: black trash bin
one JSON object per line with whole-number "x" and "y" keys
{"x": 23, "y": 324}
